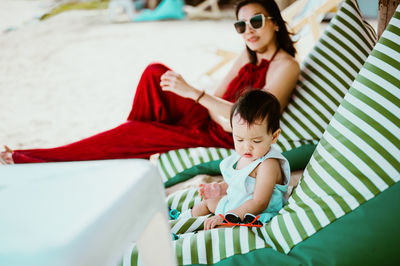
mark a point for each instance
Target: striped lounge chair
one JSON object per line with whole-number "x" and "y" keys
{"x": 345, "y": 210}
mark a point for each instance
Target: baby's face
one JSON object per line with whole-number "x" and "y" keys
{"x": 252, "y": 142}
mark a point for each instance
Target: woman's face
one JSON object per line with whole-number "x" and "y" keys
{"x": 258, "y": 40}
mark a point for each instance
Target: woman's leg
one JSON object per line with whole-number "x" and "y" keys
{"x": 133, "y": 139}
{"x": 151, "y": 103}
{"x": 159, "y": 121}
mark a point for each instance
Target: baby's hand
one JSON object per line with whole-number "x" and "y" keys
{"x": 212, "y": 222}
{"x": 210, "y": 190}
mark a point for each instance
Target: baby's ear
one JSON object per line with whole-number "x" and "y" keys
{"x": 275, "y": 135}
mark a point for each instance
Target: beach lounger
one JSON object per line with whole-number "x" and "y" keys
{"x": 344, "y": 211}
{"x": 308, "y": 12}
{"x": 326, "y": 75}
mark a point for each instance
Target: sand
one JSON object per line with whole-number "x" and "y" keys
{"x": 75, "y": 74}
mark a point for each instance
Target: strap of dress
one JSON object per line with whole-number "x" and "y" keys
{"x": 273, "y": 56}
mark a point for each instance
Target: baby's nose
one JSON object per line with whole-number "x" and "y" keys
{"x": 248, "y": 146}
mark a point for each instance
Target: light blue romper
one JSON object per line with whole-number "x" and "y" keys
{"x": 241, "y": 185}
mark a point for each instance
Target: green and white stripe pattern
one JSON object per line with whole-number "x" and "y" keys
{"x": 173, "y": 162}
{"x": 358, "y": 156}
{"x": 183, "y": 199}
{"x": 211, "y": 246}
{"x": 326, "y": 76}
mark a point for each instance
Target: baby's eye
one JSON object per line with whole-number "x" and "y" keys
{"x": 239, "y": 140}
{"x": 257, "y": 141}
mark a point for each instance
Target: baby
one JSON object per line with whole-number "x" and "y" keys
{"x": 256, "y": 175}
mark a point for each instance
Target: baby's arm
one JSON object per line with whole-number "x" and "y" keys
{"x": 268, "y": 174}
{"x": 212, "y": 190}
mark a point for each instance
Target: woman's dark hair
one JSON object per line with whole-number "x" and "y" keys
{"x": 257, "y": 105}
{"x": 282, "y": 35}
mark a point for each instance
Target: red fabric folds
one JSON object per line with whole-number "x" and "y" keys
{"x": 158, "y": 122}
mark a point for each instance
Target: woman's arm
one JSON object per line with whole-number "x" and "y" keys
{"x": 218, "y": 108}
{"x": 268, "y": 174}
{"x": 281, "y": 80}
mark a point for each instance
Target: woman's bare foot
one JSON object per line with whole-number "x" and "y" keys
{"x": 6, "y": 156}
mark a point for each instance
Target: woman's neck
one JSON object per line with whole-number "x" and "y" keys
{"x": 267, "y": 54}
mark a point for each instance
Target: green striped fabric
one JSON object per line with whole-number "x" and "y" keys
{"x": 358, "y": 156}
{"x": 173, "y": 162}
{"x": 183, "y": 199}
{"x": 211, "y": 246}
{"x": 326, "y": 75}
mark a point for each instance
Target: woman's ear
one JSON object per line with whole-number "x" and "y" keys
{"x": 275, "y": 135}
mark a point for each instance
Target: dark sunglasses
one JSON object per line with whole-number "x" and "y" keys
{"x": 249, "y": 220}
{"x": 255, "y": 22}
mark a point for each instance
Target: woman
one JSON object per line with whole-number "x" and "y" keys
{"x": 168, "y": 113}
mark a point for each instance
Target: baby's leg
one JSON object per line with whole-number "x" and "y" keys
{"x": 205, "y": 207}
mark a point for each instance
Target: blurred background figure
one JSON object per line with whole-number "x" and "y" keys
{"x": 126, "y": 6}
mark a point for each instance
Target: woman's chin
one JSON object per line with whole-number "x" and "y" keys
{"x": 256, "y": 48}
{"x": 252, "y": 47}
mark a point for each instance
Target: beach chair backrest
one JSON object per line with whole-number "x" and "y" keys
{"x": 358, "y": 156}
{"x": 326, "y": 76}
{"x": 357, "y": 159}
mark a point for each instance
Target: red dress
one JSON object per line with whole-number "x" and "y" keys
{"x": 159, "y": 122}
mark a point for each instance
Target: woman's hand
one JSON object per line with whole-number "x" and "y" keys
{"x": 172, "y": 81}
{"x": 211, "y": 190}
{"x": 212, "y": 222}
{"x": 218, "y": 108}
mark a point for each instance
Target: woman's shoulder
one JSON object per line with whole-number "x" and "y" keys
{"x": 284, "y": 59}
{"x": 284, "y": 64}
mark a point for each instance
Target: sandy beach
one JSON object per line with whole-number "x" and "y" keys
{"x": 75, "y": 74}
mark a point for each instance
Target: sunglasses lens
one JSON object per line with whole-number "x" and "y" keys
{"x": 240, "y": 26}
{"x": 257, "y": 21}
{"x": 232, "y": 218}
{"x": 248, "y": 218}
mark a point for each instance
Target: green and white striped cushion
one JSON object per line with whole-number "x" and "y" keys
{"x": 326, "y": 75}
{"x": 171, "y": 163}
{"x": 358, "y": 156}
{"x": 183, "y": 199}
{"x": 211, "y": 246}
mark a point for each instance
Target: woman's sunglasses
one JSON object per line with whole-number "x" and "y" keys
{"x": 255, "y": 22}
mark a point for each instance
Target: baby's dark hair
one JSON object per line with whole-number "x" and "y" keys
{"x": 257, "y": 105}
